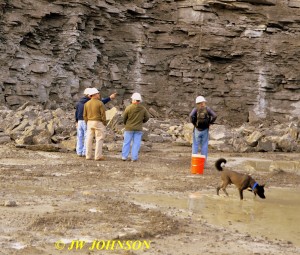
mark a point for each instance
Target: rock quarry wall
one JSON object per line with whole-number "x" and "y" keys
{"x": 242, "y": 55}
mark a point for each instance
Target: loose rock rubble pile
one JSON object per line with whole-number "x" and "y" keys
{"x": 33, "y": 127}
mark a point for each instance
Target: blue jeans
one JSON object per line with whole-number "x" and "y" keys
{"x": 81, "y": 137}
{"x": 200, "y": 138}
{"x": 136, "y": 138}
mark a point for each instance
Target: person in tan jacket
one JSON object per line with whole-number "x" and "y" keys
{"x": 94, "y": 116}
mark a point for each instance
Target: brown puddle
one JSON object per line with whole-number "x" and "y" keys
{"x": 277, "y": 217}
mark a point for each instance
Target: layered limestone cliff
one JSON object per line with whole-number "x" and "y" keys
{"x": 242, "y": 55}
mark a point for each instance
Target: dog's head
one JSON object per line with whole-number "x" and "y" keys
{"x": 260, "y": 191}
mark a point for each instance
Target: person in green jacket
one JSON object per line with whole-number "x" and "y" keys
{"x": 134, "y": 116}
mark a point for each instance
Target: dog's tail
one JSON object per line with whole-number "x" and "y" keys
{"x": 219, "y": 163}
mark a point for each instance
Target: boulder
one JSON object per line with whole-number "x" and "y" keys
{"x": 266, "y": 145}
{"x": 4, "y": 138}
{"x": 252, "y": 139}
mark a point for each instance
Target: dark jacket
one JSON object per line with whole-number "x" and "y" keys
{"x": 80, "y": 106}
{"x": 212, "y": 116}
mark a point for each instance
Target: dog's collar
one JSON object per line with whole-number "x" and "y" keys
{"x": 254, "y": 186}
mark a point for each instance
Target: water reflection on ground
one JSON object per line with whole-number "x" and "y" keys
{"x": 277, "y": 217}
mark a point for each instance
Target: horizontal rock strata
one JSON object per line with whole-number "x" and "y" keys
{"x": 242, "y": 55}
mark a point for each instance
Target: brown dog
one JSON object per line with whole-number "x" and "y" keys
{"x": 241, "y": 181}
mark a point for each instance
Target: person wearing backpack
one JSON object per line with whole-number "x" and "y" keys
{"x": 202, "y": 117}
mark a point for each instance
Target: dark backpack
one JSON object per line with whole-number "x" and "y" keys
{"x": 203, "y": 118}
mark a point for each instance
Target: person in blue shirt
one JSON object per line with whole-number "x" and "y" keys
{"x": 80, "y": 123}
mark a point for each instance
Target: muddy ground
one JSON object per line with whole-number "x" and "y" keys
{"x": 50, "y": 199}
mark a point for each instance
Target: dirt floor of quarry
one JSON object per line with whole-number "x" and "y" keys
{"x": 58, "y": 203}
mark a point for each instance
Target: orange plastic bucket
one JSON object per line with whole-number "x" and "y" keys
{"x": 197, "y": 164}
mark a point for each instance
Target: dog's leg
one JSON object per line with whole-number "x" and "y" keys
{"x": 241, "y": 194}
{"x": 224, "y": 186}
{"x": 218, "y": 189}
{"x": 224, "y": 190}
{"x": 221, "y": 186}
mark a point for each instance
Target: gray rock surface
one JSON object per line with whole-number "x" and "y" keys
{"x": 241, "y": 55}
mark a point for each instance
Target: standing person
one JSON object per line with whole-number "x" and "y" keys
{"x": 202, "y": 117}
{"x": 80, "y": 123}
{"x": 134, "y": 116}
{"x": 94, "y": 116}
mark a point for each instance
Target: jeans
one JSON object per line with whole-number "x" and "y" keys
{"x": 200, "y": 138}
{"x": 136, "y": 138}
{"x": 81, "y": 137}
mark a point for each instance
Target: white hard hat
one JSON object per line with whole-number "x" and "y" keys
{"x": 86, "y": 91}
{"x": 136, "y": 96}
{"x": 93, "y": 91}
{"x": 200, "y": 99}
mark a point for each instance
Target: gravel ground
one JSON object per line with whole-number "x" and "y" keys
{"x": 58, "y": 203}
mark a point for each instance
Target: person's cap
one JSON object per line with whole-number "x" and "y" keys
{"x": 86, "y": 91}
{"x": 200, "y": 99}
{"x": 136, "y": 96}
{"x": 93, "y": 91}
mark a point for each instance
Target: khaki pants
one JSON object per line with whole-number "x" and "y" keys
{"x": 97, "y": 129}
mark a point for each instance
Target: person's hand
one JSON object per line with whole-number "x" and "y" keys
{"x": 76, "y": 124}
{"x": 113, "y": 96}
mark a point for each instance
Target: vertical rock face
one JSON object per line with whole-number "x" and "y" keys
{"x": 242, "y": 55}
